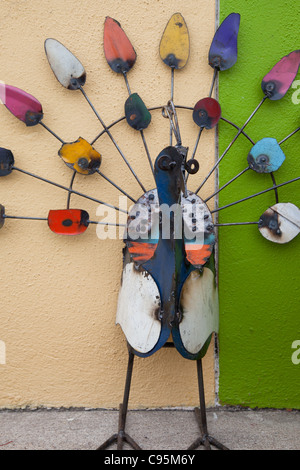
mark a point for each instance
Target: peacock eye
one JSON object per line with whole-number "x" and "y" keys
{"x": 270, "y": 87}
{"x": 166, "y": 163}
{"x": 262, "y": 159}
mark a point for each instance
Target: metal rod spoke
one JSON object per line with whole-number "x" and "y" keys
{"x": 275, "y": 189}
{"x": 18, "y": 217}
{"x": 71, "y": 186}
{"x": 172, "y": 99}
{"x": 23, "y": 218}
{"x": 68, "y": 189}
{"x": 195, "y": 149}
{"x": 230, "y": 145}
{"x": 115, "y": 185}
{"x": 51, "y": 132}
{"x": 147, "y": 151}
{"x": 111, "y": 138}
{"x": 256, "y": 194}
{"x": 197, "y": 142}
{"x": 228, "y": 183}
{"x": 107, "y": 128}
{"x": 213, "y": 82}
{"x": 235, "y": 223}
{"x": 237, "y": 127}
{"x": 290, "y": 135}
{"x": 156, "y": 108}
{"x": 127, "y": 83}
{"x": 106, "y": 223}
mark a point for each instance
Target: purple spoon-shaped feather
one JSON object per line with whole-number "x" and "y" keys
{"x": 223, "y": 50}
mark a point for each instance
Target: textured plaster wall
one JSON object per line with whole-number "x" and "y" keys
{"x": 59, "y": 342}
{"x": 259, "y": 280}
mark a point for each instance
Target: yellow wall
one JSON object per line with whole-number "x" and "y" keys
{"x": 59, "y": 294}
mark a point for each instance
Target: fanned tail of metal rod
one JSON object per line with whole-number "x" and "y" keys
{"x": 111, "y": 138}
{"x": 227, "y": 184}
{"x": 156, "y": 108}
{"x": 68, "y": 189}
{"x": 256, "y": 194}
{"x": 51, "y": 132}
{"x": 115, "y": 185}
{"x": 231, "y": 144}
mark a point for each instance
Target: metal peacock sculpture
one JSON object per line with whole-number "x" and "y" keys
{"x": 168, "y": 295}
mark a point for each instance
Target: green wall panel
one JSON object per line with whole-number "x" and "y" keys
{"x": 258, "y": 280}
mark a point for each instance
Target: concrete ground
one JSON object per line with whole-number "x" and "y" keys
{"x": 83, "y": 429}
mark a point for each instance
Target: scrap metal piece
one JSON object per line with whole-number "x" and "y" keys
{"x": 174, "y": 48}
{"x": 169, "y": 235}
{"x": 142, "y": 230}
{"x": 200, "y": 310}
{"x": 207, "y": 113}
{"x": 118, "y": 50}
{"x": 68, "y": 221}
{"x": 6, "y": 161}
{"x": 266, "y": 156}
{"x": 68, "y": 70}
{"x": 80, "y": 156}
{"x": 278, "y": 81}
{"x": 138, "y": 308}
{"x": 22, "y": 105}
{"x": 223, "y": 50}
{"x": 137, "y": 115}
{"x": 280, "y": 223}
{"x": 2, "y": 215}
{"x": 199, "y": 234}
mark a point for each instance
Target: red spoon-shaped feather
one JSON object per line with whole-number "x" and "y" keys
{"x": 118, "y": 50}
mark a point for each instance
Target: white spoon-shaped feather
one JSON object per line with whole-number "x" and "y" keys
{"x": 66, "y": 67}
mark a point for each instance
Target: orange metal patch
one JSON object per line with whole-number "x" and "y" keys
{"x": 141, "y": 251}
{"x": 198, "y": 255}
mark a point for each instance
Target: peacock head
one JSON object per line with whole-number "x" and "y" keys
{"x": 169, "y": 175}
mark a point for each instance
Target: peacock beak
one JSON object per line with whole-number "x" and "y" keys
{"x": 182, "y": 183}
